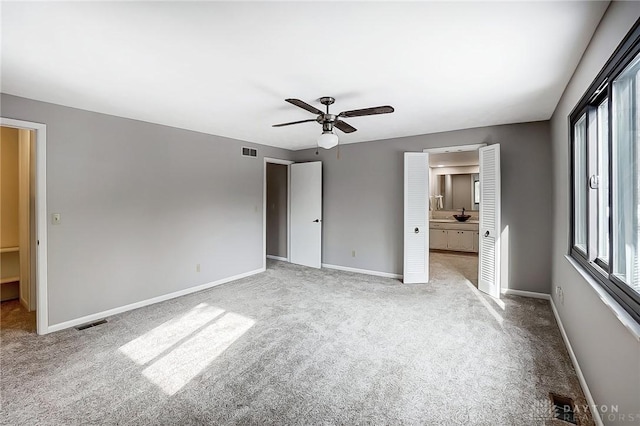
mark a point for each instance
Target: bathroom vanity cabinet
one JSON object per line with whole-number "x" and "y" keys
{"x": 453, "y": 235}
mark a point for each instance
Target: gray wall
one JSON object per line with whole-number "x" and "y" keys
{"x": 141, "y": 205}
{"x": 363, "y": 199}
{"x": 608, "y": 354}
{"x": 277, "y": 209}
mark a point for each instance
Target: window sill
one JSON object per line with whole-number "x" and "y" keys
{"x": 622, "y": 315}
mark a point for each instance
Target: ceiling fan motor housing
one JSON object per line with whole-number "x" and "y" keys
{"x": 327, "y": 119}
{"x": 327, "y": 126}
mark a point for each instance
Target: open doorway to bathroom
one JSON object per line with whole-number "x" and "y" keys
{"x": 454, "y": 195}
{"x": 17, "y": 229}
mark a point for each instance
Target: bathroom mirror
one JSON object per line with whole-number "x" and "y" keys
{"x": 458, "y": 191}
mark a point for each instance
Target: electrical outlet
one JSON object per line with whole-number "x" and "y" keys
{"x": 56, "y": 219}
{"x": 197, "y": 267}
{"x": 353, "y": 253}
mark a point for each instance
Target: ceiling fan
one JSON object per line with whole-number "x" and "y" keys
{"x": 328, "y": 139}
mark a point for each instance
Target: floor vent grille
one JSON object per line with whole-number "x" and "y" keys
{"x": 563, "y": 408}
{"x": 91, "y": 324}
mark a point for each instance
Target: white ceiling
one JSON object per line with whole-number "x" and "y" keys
{"x": 226, "y": 68}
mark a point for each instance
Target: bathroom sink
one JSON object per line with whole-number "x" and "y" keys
{"x": 462, "y": 217}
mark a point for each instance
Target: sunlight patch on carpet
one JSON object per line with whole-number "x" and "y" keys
{"x": 499, "y": 303}
{"x": 153, "y": 343}
{"x": 173, "y": 371}
{"x": 484, "y": 302}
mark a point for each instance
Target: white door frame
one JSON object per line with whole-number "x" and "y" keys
{"x": 461, "y": 148}
{"x": 42, "y": 315}
{"x": 287, "y": 163}
{"x": 455, "y": 148}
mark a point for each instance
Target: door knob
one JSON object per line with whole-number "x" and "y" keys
{"x": 416, "y": 230}
{"x": 317, "y": 220}
{"x": 486, "y": 234}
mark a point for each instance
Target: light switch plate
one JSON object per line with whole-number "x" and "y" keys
{"x": 56, "y": 218}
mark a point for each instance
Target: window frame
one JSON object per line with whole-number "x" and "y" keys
{"x": 573, "y": 248}
{"x": 597, "y": 103}
{"x": 599, "y": 90}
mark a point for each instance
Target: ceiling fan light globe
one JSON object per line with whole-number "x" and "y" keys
{"x": 327, "y": 140}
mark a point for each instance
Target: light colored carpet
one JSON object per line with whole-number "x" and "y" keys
{"x": 296, "y": 345}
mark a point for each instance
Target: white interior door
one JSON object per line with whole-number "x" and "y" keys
{"x": 489, "y": 245}
{"x": 416, "y": 217}
{"x": 306, "y": 214}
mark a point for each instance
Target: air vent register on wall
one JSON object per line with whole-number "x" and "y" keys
{"x": 328, "y": 139}
{"x": 249, "y": 152}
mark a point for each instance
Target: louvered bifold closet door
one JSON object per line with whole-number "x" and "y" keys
{"x": 416, "y": 220}
{"x": 489, "y": 244}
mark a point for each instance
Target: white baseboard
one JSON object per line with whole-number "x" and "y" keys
{"x": 522, "y": 293}
{"x": 576, "y": 366}
{"x": 284, "y": 259}
{"x": 362, "y": 271}
{"x": 110, "y": 312}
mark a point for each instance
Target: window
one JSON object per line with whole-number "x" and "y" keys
{"x": 580, "y": 184}
{"x": 476, "y": 191}
{"x": 626, "y": 188}
{"x": 605, "y": 164}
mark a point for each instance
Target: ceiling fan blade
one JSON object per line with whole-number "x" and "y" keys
{"x": 293, "y": 122}
{"x": 386, "y": 109}
{"x": 304, "y": 105}
{"x": 345, "y": 127}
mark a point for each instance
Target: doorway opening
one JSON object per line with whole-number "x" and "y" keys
{"x": 17, "y": 229}
{"x": 454, "y": 191}
{"x": 23, "y": 233}
{"x": 302, "y": 234}
{"x": 417, "y": 215}
{"x": 276, "y": 210}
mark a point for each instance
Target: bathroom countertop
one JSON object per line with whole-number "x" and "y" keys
{"x": 453, "y": 221}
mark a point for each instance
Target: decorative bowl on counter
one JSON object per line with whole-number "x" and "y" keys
{"x": 462, "y": 217}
